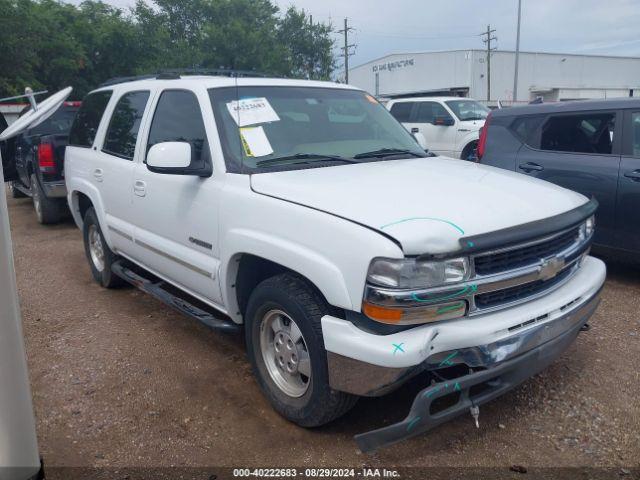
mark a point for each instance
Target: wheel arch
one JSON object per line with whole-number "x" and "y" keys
{"x": 244, "y": 270}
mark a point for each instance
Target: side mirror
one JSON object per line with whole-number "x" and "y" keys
{"x": 444, "y": 121}
{"x": 419, "y": 137}
{"x": 174, "y": 158}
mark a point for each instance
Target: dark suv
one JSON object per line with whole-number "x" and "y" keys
{"x": 591, "y": 146}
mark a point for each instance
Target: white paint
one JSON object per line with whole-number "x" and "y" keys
{"x": 170, "y": 155}
{"x": 342, "y": 337}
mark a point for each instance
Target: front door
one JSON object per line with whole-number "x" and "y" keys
{"x": 628, "y": 210}
{"x": 176, "y": 216}
{"x": 438, "y": 127}
{"x": 581, "y": 152}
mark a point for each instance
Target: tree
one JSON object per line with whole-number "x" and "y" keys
{"x": 48, "y": 44}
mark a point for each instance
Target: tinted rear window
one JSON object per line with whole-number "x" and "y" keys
{"x": 402, "y": 111}
{"x": 58, "y": 123}
{"x": 84, "y": 128}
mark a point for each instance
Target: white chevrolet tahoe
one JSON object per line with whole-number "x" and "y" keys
{"x": 305, "y": 213}
{"x": 450, "y": 126}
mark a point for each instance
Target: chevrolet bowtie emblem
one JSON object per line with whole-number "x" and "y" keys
{"x": 550, "y": 267}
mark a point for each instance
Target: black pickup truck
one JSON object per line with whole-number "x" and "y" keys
{"x": 38, "y": 156}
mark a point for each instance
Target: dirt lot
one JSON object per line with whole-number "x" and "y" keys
{"x": 119, "y": 379}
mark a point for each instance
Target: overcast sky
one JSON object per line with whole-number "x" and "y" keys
{"x": 566, "y": 26}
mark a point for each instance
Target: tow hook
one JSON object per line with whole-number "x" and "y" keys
{"x": 475, "y": 413}
{"x": 585, "y": 328}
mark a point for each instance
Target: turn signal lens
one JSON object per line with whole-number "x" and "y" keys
{"x": 382, "y": 314}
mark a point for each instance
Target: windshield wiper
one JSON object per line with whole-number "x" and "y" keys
{"x": 306, "y": 157}
{"x": 387, "y": 152}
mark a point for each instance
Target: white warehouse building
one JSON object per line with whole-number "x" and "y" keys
{"x": 552, "y": 76}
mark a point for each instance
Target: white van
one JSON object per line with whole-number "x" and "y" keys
{"x": 450, "y": 125}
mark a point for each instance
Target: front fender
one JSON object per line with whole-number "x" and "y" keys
{"x": 313, "y": 265}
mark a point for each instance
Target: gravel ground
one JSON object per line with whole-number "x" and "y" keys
{"x": 121, "y": 380}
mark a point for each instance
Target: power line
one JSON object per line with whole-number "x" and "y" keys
{"x": 345, "y": 50}
{"x": 489, "y": 37}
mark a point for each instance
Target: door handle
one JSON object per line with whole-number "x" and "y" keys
{"x": 464, "y": 130}
{"x": 635, "y": 175}
{"x": 97, "y": 174}
{"x": 531, "y": 167}
{"x": 140, "y": 188}
{"x": 415, "y": 130}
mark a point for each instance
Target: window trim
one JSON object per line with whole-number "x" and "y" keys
{"x": 615, "y": 145}
{"x": 96, "y": 136}
{"x": 113, "y": 111}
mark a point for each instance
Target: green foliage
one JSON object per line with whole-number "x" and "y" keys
{"x": 47, "y": 44}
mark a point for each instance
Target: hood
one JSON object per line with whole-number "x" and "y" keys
{"x": 426, "y": 204}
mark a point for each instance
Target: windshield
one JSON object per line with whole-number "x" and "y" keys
{"x": 468, "y": 109}
{"x": 287, "y": 128}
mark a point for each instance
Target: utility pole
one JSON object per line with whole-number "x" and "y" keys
{"x": 489, "y": 38}
{"x": 346, "y": 48}
{"x": 515, "y": 75}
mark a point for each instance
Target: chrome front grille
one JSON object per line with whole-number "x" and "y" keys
{"x": 519, "y": 292}
{"x": 523, "y": 255}
{"x": 500, "y": 278}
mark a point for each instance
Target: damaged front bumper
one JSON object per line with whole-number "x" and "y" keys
{"x": 508, "y": 368}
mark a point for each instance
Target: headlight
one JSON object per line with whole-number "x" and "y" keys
{"x": 416, "y": 273}
{"x": 587, "y": 228}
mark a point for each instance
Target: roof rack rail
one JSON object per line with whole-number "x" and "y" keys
{"x": 176, "y": 73}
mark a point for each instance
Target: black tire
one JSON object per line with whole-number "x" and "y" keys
{"x": 469, "y": 152}
{"x": 48, "y": 210}
{"x": 104, "y": 276}
{"x": 293, "y": 295}
{"x": 15, "y": 193}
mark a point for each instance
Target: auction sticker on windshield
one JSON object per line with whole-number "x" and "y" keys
{"x": 255, "y": 142}
{"x": 251, "y": 111}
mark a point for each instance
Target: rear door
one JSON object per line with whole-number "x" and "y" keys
{"x": 579, "y": 151}
{"x": 628, "y": 209}
{"x": 115, "y": 166}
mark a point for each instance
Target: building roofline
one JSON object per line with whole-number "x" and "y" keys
{"x": 561, "y": 54}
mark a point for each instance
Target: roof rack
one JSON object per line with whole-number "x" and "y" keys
{"x": 176, "y": 73}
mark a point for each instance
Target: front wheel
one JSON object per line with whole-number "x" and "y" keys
{"x": 286, "y": 350}
{"x": 98, "y": 252}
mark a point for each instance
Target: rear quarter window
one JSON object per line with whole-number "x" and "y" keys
{"x": 85, "y": 126}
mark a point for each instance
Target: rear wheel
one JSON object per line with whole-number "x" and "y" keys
{"x": 286, "y": 350}
{"x": 48, "y": 210}
{"x": 15, "y": 193}
{"x": 98, "y": 253}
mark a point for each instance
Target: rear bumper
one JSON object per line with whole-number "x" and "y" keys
{"x": 551, "y": 339}
{"x": 56, "y": 189}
